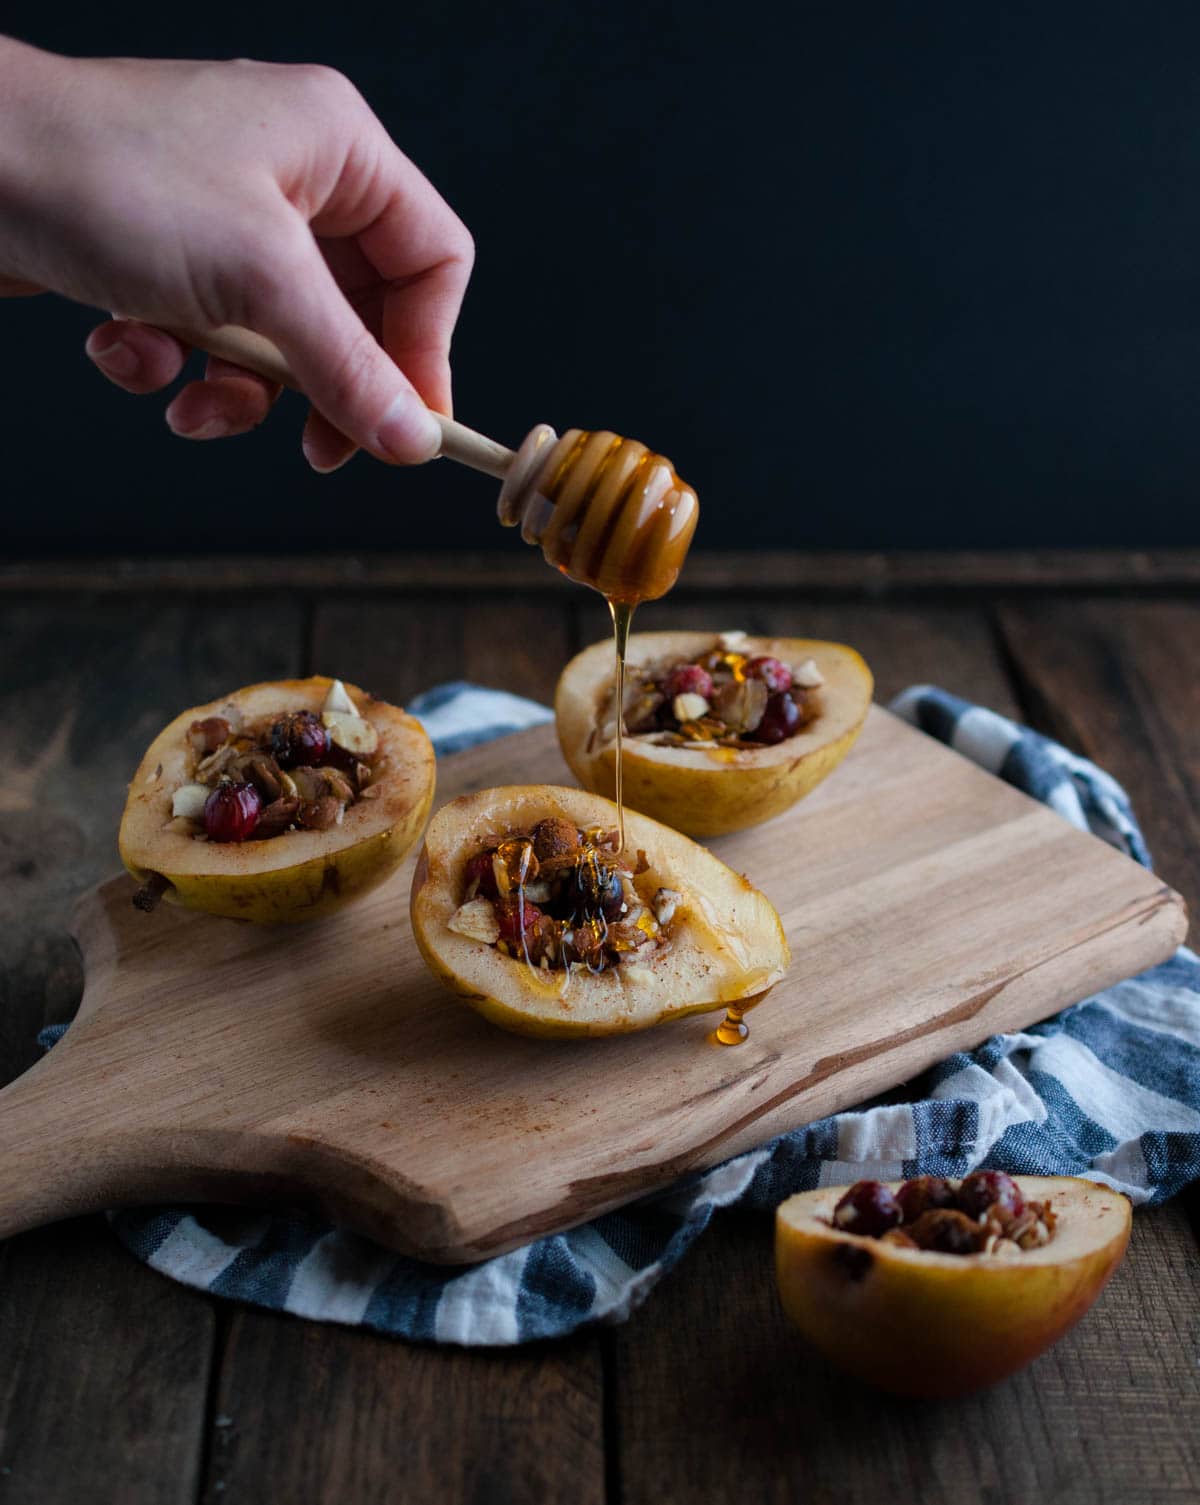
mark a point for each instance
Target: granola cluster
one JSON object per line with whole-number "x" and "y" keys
{"x": 724, "y": 698}
{"x": 558, "y": 896}
{"x": 985, "y": 1213}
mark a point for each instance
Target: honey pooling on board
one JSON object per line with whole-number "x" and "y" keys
{"x": 732, "y": 1030}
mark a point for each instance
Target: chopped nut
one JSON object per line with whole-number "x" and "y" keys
{"x": 338, "y": 702}
{"x": 308, "y": 783}
{"x": 337, "y": 784}
{"x": 477, "y": 921}
{"x": 689, "y": 706}
{"x": 319, "y": 815}
{"x": 666, "y": 901}
{"x": 263, "y": 772}
{"x": 351, "y": 733}
{"x": 642, "y": 707}
{"x": 808, "y": 676}
{"x": 189, "y": 801}
{"x": 741, "y": 703}
{"x": 207, "y": 735}
{"x": 210, "y": 769}
{"x": 276, "y": 817}
{"x": 624, "y": 936}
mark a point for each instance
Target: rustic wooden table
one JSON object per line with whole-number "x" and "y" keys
{"x": 116, "y": 1385}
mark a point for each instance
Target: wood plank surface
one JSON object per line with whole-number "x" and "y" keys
{"x": 716, "y": 1402}
{"x": 103, "y": 1363}
{"x": 325, "y": 1063}
{"x": 103, "y": 1366}
{"x": 513, "y": 566}
{"x": 1110, "y": 1414}
{"x": 1119, "y": 681}
{"x": 310, "y": 1414}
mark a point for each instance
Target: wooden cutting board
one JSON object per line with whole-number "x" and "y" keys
{"x": 927, "y": 904}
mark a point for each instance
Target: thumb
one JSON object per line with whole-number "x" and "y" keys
{"x": 340, "y": 366}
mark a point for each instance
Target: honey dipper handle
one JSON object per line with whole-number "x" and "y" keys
{"x": 257, "y": 353}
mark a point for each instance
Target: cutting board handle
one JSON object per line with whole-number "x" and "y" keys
{"x": 49, "y": 1167}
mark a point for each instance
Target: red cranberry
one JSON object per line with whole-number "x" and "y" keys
{"x": 772, "y": 671}
{"x": 687, "y": 679}
{"x": 479, "y": 870}
{"x": 231, "y": 812}
{"x": 518, "y": 924}
{"x": 868, "y": 1208}
{"x": 923, "y": 1193}
{"x": 780, "y": 720}
{"x": 299, "y": 740}
{"x": 947, "y": 1231}
{"x": 983, "y": 1189}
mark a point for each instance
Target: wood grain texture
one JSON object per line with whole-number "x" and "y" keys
{"x": 99, "y": 1399}
{"x": 398, "y": 648}
{"x": 717, "y": 1401}
{"x": 1120, "y": 682}
{"x": 222, "y": 1061}
{"x": 104, "y": 1369}
{"x": 103, "y": 1366}
{"x": 512, "y": 566}
{"x": 309, "y": 1415}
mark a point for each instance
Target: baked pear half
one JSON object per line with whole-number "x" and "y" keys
{"x": 722, "y": 730}
{"x": 948, "y": 1302}
{"x": 523, "y": 904}
{"x": 278, "y": 803}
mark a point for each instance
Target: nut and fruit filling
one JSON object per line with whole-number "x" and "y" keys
{"x": 296, "y": 771}
{"x": 557, "y": 897}
{"x": 984, "y": 1213}
{"x": 724, "y": 698}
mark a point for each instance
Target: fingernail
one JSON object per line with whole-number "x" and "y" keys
{"x": 409, "y": 431}
{"x": 322, "y": 466}
{"x": 115, "y": 357}
{"x": 211, "y": 428}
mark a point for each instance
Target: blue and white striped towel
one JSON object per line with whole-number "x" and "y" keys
{"x": 1108, "y": 1089}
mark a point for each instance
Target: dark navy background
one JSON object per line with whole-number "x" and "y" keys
{"x": 872, "y": 275}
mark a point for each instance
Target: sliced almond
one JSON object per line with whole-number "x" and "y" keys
{"x": 351, "y": 732}
{"x": 216, "y": 763}
{"x": 309, "y": 783}
{"x": 689, "y": 706}
{"x": 337, "y": 702}
{"x": 189, "y": 801}
{"x": 477, "y": 921}
{"x": 808, "y": 676}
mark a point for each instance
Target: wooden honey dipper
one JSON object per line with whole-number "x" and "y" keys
{"x": 606, "y": 511}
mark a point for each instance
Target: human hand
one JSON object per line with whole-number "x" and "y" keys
{"x": 192, "y": 195}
